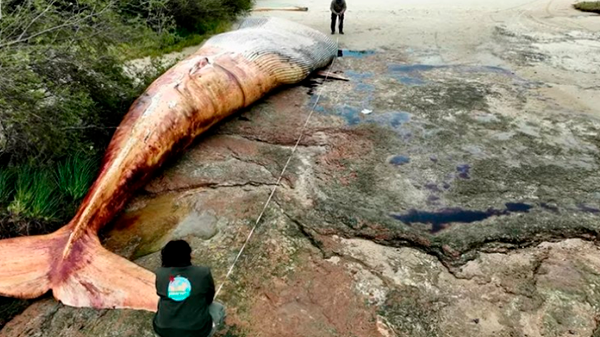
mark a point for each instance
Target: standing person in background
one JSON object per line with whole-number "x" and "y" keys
{"x": 338, "y": 8}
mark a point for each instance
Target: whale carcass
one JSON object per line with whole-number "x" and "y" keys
{"x": 230, "y": 71}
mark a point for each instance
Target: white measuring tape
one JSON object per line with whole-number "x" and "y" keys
{"x": 312, "y": 110}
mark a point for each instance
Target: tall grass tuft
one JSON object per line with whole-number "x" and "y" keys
{"x": 35, "y": 194}
{"x": 22, "y": 191}
{"x": 6, "y": 185}
{"x": 75, "y": 175}
{"x": 45, "y": 203}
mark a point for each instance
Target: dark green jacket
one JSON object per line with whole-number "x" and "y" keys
{"x": 185, "y": 294}
{"x": 338, "y": 7}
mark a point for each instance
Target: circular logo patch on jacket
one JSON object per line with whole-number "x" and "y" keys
{"x": 179, "y": 289}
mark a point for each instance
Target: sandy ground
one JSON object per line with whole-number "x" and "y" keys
{"x": 441, "y": 32}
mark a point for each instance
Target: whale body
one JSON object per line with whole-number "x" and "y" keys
{"x": 230, "y": 71}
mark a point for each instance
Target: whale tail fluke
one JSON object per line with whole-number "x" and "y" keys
{"x": 90, "y": 276}
{"x": 26, "y": 264}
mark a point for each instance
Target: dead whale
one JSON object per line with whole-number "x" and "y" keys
{"x": 230, "y": 71}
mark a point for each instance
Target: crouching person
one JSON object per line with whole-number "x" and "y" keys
{"x": 186, "y": 307}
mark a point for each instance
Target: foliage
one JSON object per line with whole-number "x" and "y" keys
{"x": 588, "y": 6}
{"x": 64, "y": 88}
{"x": 33, "y": 197}
{"x": 6, "y": 185}
{"x": 75, "y": 175}
{"x": 43, "y": 195}
{"x": 201, "y": 16}
{"x": 190, "y": 21}
{"x": 66, "y": 84}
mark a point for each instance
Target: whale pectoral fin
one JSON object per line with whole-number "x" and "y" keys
{"x": 107, "y": 281}
{"x": 26, "y": 264}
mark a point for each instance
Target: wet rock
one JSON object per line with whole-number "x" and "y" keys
{"x": 202, "y": 225}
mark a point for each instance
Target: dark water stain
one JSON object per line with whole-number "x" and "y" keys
{"x": 350, "y": 114}
{"x": 399, "y": 160}
{"x": 358, "y": 76}
{"x": 518, "y": 207}
{"x": 314, "y": 99}
{"x": 355, "y": 53}
{"x": 486, "y": 69}
{"x": 408, "y": 68}
{"x": 440, "y": 219}
{"x": 432, "y": 187}
{"x": 393, "y": 118}
{"x": 311, "y": 84}
{"x": 585, "y": 208}
{"x": 549, "y": 207}
{"x": 433, "y": 200}
{"x": 410, "y": 74}
{"x": 463, "y": 171}
{"x": 363, "y": 87}
{"x": 353, "y": 115}
{"x": 412, "y": 81}
{"x": 320, "y": 109}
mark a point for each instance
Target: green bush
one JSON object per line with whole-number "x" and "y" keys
{"x": 201, "y": 16}
{"x": 589, "y": 6}
{"x": 64, "y": 88}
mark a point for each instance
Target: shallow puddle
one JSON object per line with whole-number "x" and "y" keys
{"x": 355, "y": 53}
{"x": 441, "y": 218}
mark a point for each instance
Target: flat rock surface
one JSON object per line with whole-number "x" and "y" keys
{"x": 449, "y": 188}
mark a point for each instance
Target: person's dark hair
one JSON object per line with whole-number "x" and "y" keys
{"x": 176, "y": 253}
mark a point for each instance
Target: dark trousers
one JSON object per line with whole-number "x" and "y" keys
{"x": 333, "y": 18}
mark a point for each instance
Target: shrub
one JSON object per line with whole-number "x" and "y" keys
{"x": 63, "y": 87}
{"x": 199, "y": 16}
{"x": 588, "y": 6}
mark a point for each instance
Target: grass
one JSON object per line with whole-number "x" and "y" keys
{"x": 174, "y": 43}
{"x": 32, "y": 197}
{"x": 75, "y": 175}
{"x": 588, "y": 6}
{"x": 6, "y": 186}
{"x": 34, "y": 194}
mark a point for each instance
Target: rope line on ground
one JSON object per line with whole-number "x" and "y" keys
{"x": 312, "y": 110}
